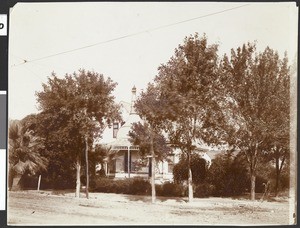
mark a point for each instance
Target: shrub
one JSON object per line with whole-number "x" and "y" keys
{"x": 267, "y": 172}
{"x": 28, "y": 181}
{"x": 101, "y": 172}
{"x": 159, "y": 189}
{"x": 284, "y": 179}
{"x": 171, "y": 189}
{"x": 102, "y": 185}
{"x": 31, "y": 182}
{"x": 198, "y": 167}
{"x": 204, "y": 190}
{"x": 60, "y": 183}
{"x": 133, "y": 186}
{"x": 228, "y": 175}
{"x": 259, "y": 184}
{"x": 139, "y": 186}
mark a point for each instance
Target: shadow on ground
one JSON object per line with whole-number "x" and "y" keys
{"x": 143, "y": 198}
{"x": 283, "y": 197}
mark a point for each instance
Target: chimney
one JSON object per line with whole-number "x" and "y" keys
{"x": 115, "y": 129}
{"x": 133, "y": 98}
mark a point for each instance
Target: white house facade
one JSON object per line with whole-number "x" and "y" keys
{"x": 124, "y": 160}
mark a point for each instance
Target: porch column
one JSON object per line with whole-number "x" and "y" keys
{"x": 106, "y": 168}
{"x": 128, "y": 161}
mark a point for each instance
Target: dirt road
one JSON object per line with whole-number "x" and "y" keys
{"x": 37, "y": 208}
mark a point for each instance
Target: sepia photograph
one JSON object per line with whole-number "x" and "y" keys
{"x": 152, "y": 113}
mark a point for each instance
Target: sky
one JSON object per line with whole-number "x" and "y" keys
{"x": 128, "y": 41}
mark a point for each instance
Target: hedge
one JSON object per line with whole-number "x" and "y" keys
{"x": 132, "y": 186}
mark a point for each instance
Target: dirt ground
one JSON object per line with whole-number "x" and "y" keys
{"x": 54, "y": 208}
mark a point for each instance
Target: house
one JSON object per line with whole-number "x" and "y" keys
{"x": 124, "y": 160}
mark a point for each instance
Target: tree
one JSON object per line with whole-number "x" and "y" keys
{"x": 280, "y": 155}
{"x": 74, "y": 111}
{"x": 24, "y": 149}
{"x": 148, "y": 134}
{"x": 279, "y": 131}
{"x": 198, "y": 168}
{"x": 189, "y": 97}
{"x": 229, "y": 174}
{"x": 255, "y": 85}
{"x": 139, "y": 135}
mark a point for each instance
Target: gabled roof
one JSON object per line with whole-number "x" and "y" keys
{"x": 122, "y": 139}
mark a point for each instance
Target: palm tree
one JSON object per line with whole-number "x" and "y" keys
{"x": 24, "y": 151}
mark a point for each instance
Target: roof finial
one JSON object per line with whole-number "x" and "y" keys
{"x": 133, "y": 98}
{"x": 133, "y": 90}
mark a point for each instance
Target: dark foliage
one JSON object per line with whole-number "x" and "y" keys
{"x": 204, "y": 190}
{"x": 28, "y": 182}
{"x": 140, "y": 135}
{"x": 229, "y": 175}
{"x": 75, "y": 109}
{"x": 198, "y": 166}
{"x": 133, "y": 186}
{"x": 25, "y": 149}
{"x": 171, "y": 189}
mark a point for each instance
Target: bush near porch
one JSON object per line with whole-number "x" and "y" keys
{"x": 132, "y": 186}
{"x": 140, "y": 186}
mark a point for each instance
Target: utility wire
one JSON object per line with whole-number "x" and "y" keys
{"x": 130, "y": 35}
{"x": 40, "y": 65}
{"x": 35, "y": 74}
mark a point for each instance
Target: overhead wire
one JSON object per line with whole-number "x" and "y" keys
{"x": 40, "y": 65}
{"x": 29, "y": 69}
{"x": 35, "y": 74}
{"x": 130, "y": 35}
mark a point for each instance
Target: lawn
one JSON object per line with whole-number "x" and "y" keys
{"x": 54, "y": 208}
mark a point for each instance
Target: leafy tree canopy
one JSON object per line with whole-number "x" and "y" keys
{"x": 139, "y": 135}
{"x": 75, "y": 109}
{"x": 188, "y": 87}
{"x": 76, "y": 105}
{"x": 258, "y": 88}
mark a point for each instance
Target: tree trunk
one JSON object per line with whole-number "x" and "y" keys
{"x": 153, "y": 192}
{"x": 10, "y": 178}
{"x": 87, "y": 167}
{"x": 190, "y": 179}
{"x": 277, "y": 177}
{"x": 252, "y": 192}
{"x": 253, "y": 165}
{"x": 39, "y": 182}
{"x": 16, "y": 184}
{"x": 78, "y": 166}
